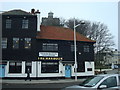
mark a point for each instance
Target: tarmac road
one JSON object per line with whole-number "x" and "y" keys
{"x": 38, "y": 84}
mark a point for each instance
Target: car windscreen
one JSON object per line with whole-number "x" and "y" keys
{"x": 91, "y": 81}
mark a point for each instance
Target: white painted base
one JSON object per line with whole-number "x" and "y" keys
{"x": 36, "y": 70}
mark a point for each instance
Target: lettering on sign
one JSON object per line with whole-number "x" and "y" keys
{"x": 50, "y": 58}
{"x": 48, "y": 54}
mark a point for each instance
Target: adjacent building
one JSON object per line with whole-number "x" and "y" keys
{"x": 116, "y": 57}
{"x": 50, "y": 20}
{"x": 48, "y": 51}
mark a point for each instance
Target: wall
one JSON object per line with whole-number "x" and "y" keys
{"x": 17, "y": 31}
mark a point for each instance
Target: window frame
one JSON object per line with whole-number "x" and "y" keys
{"x": 86, "y": 48}
{"x": 14, "y": 68}
{"x": 4, "y": 43}
{"x": 73, "y": 48}
{"x": 27, "y": 43}
{"x": 49, "y": 67}
{"x": 50, "y": 47}
{"x": 25, "y": 24}
{"x": 15, "y": 43}
{"x": 8, "y": 24}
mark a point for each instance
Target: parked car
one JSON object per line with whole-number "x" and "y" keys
{"x": 98, "y": 82}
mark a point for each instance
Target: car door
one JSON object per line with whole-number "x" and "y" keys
{"x": 109, "y": 82}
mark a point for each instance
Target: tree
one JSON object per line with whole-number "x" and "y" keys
{"x": 82, "y": 29}
{"x": 95, "y": 31}
{"x": 62, "y": 21}
{"x": 100, "y": 33}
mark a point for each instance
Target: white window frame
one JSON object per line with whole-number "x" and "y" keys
{"x": 4, "y": 43}
{"x": 8, "y": 23}
{"x": 15, "y": 43}
{"x": 27, "y": 44}
{"x": 25, "y": 24}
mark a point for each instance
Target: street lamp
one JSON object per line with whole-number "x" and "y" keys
{"x": 82, "y": 22}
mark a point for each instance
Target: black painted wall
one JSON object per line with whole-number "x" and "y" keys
{"x": 17, "y": 31}
{"x": 32, "y": 54}
{"x": 64, "y": 49}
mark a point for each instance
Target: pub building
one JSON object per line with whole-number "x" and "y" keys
{"x": 48, "y": 51}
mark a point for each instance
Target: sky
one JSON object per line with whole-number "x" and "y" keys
{"x": 101, "y": 11}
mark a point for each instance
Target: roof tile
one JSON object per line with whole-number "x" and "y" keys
{"x": 60, "y": 33}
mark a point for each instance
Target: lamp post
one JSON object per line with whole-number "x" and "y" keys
{"x": 75, "y": 65}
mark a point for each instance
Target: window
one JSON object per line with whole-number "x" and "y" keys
{"x": 50, "y": 67}
{"x": 8, "y": 23}
{"x": 4, "y": 43}
{"x": 28, "y": 65}
{"x": 27, "y": 43}
{"x": 86, "y": 48}
{"x": 15, "y": 67}
{"x": 50, "y": 47}
{"x": 89, "y": 69}
{"x": 91, "y": 81}
{"x": 24, "y": 24}
{"x": 73, "y": 48}
{"x": 15, "y": 43}
{"x": 110, "y": 82}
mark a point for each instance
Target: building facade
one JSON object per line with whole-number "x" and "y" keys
{"x": 47, "y": 53}
{"x": 116, "y": 57}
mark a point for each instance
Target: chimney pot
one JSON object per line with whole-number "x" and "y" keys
{"x": 37, "y": 11}
{"x": 33, "y": 11}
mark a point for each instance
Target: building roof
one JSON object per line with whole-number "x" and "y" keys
{"x": 60, "y": 33}
{"x": 16, "y": 12}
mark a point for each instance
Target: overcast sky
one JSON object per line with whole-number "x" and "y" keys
{"x": 104, "y": 12}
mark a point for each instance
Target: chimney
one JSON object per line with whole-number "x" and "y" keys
{"x": 33, "y": 11}
{"x": 38, "y": 20}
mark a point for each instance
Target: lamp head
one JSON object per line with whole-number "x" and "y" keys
{"x": 82, "y": 22}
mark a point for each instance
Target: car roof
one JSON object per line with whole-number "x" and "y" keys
{"x": 108, "y": 75}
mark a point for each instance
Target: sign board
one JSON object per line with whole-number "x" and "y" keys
{"x": 48, "y": 54}
{"x": 50, "y": 58}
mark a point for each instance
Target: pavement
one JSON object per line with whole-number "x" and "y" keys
{"x": 16, "y": 81}
{"x": 40, "y": 81}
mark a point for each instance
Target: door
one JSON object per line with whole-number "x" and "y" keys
{"x": 67, "y": 71}
{"x": 2, "y": 70}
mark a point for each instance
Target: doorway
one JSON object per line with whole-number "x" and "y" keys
{"x": 68, "y": 71}
{"x": 2, "y": 70}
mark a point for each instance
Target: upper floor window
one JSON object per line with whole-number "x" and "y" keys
{"x": 4, "y": 43}
{"x": 86, "y": 48}
{"x": 27, "y": 43}
{"x": 8, "y": 23}
{"x": 15, "y": 43}
{"x": 73, "y": 48}
{"x": 24, "y": 24}
{"x": 50, "y": 47}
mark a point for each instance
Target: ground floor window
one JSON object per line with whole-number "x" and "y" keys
{"x": 49, "y": 67}
{"x": 28, "y": 65}
{"x": 15, "y": 67}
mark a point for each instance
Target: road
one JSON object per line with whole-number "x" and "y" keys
{"x": 42, "y": 86}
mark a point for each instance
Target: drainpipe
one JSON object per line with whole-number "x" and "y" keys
{"x": 38, "y": 20}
